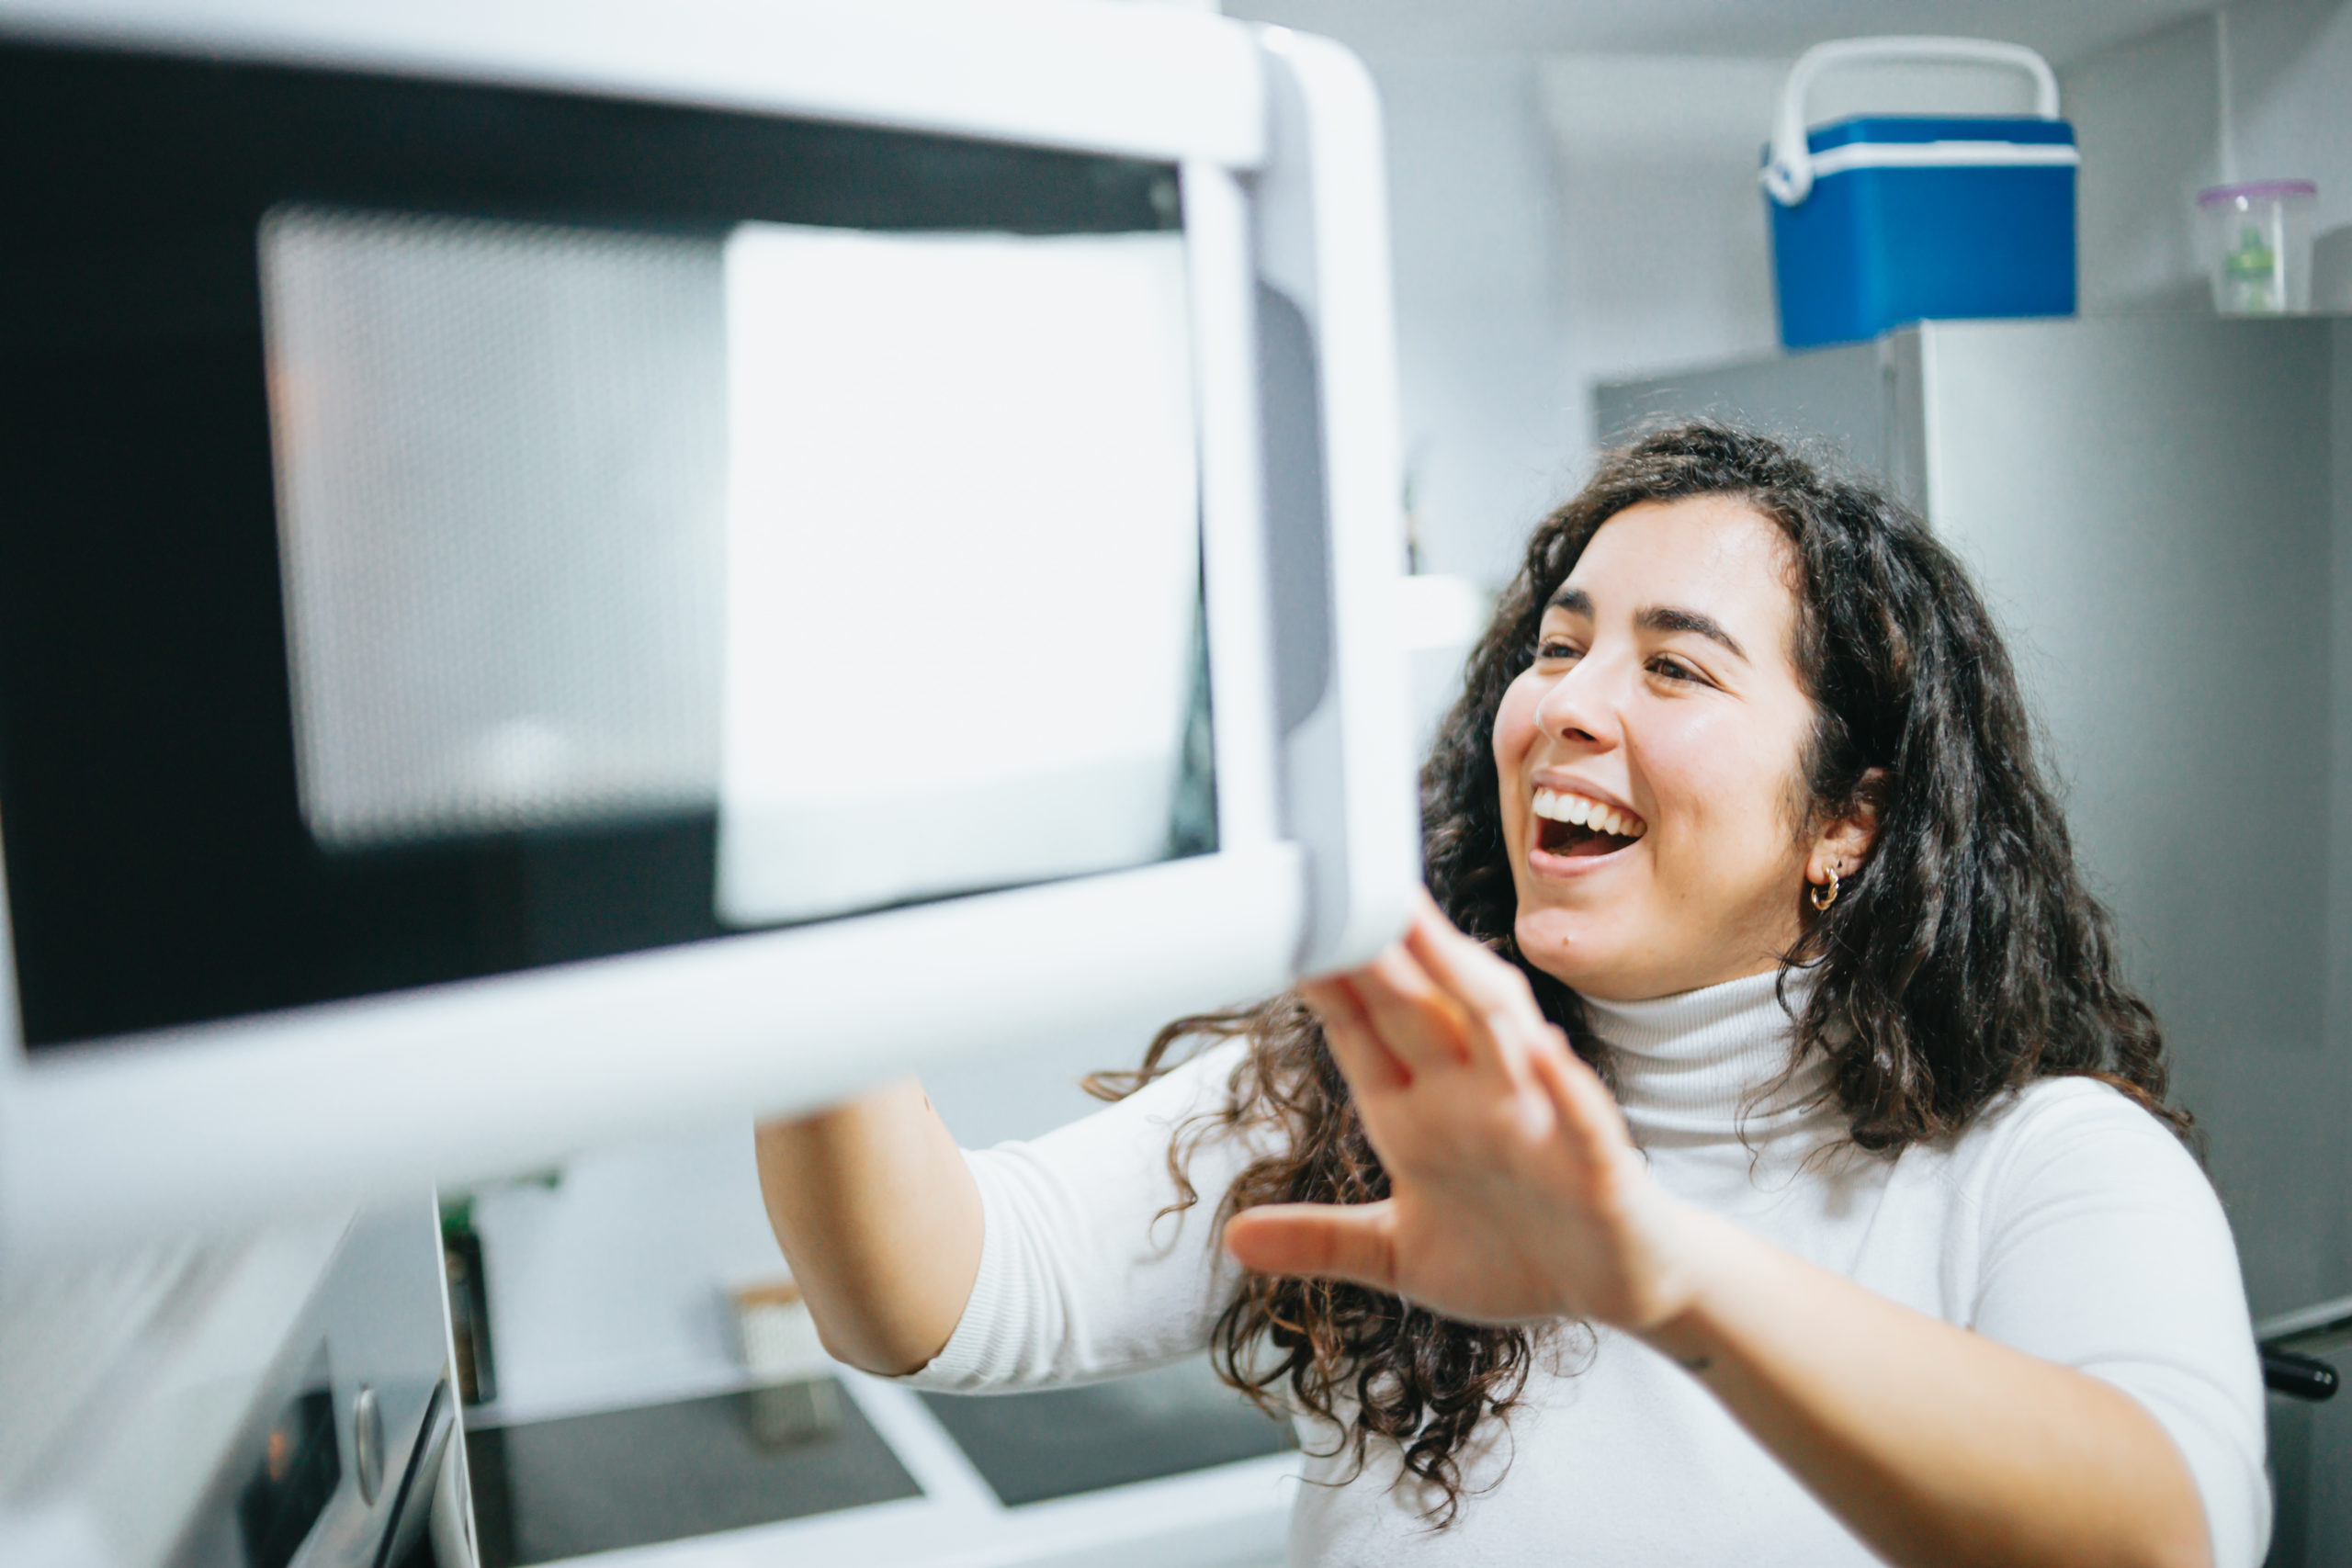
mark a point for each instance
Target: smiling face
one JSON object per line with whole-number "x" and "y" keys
{"x": 1651, "y": 758}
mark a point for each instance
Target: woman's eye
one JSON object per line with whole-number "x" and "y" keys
{"x": 1555, "y": 649}
{"x": 1673, "y": 668}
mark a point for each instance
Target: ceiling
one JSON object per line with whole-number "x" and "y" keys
{"x": 2064, "y": 31}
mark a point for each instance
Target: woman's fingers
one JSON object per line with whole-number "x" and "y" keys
{"x": 1323, "y": 1241}
{"x": 1433, "y": 1001}
{"x": 1393, "y": 1002}
{"x": 1586, "y": 1113}
{"x": 1498, "y": 1009}
{"x": 1414, "y": 1017}
{"x": 1369, "y": 1066}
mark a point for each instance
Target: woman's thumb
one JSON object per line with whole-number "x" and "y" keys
{"x": 1323, "y": 1241}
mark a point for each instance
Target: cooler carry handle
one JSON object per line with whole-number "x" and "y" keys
{"x": 1788, "y": 177}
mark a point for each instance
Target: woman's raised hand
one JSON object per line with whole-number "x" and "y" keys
{"x": 1515, "y": 1193}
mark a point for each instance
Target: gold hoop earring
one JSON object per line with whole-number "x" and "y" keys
{"x": 1823, "y": 895}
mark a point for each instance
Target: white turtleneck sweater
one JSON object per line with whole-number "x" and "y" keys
{"x": 2065, "y": 1221}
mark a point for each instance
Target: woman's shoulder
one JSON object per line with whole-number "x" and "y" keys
{"x": 2072, "y": 1136}
{"x": 1202, "y": 1083}
{"x": 2069, "y": 1104}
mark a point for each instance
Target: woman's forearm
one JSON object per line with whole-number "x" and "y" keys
{"x": 880, "y": 1218}
{"x": 1933, "y": 1444}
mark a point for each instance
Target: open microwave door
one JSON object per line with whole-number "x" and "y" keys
{"x": 550, "y": 585}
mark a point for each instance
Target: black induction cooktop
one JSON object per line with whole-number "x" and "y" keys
{"x": 548, "y": 1490}
{"x": 1059, "y": 1442}
{"x": 545, "y": 1491}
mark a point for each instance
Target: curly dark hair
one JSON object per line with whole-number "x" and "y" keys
{"x": 1965, "y": 958}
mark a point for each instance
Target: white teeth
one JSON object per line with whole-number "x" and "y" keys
{"x": 1557, "y": 805}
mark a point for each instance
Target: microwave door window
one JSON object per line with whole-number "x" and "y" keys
{"x": 501, "y": 454}
{"x": 962, "y": 563}
{"x": 882, "y": 546}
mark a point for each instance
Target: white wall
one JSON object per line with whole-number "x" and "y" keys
{"x": 1664, "y": 230}
{"x": 1489, "y": 393}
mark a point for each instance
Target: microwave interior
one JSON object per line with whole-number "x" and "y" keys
{"x": 450, "y": 529}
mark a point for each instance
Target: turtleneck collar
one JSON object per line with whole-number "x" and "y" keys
{"x": 1697, "y": 1066}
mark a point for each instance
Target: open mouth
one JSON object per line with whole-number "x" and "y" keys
{"x": 1572, "y": 827}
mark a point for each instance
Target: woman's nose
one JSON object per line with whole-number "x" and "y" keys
{"x": 1579, "y": 708}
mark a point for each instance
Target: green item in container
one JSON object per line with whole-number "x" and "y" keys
{"x": 2250, "y": 274}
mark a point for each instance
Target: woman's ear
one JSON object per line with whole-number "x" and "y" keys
{"x": 1845, "y": 840}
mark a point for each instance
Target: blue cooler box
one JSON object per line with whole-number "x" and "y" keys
{"x": 1911, "y": 217}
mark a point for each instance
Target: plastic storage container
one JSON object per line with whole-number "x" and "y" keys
{"x": 2256, "y": 240}
{"x": 1883, "y": 220}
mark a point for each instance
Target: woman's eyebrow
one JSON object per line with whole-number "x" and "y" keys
{"x": 1656, "y": 618}
{"x": 1666, "y": 618}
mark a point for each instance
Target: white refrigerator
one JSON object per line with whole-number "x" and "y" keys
{"x": 2159, "y": 510}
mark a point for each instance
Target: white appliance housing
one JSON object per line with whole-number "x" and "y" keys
{"x": 1274, "y": 139}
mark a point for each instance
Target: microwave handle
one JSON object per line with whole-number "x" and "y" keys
{"x": 1327, "y": 400}
{"x": 411, "y": 1505}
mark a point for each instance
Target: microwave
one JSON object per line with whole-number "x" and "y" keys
{"x": 565, "y": 568}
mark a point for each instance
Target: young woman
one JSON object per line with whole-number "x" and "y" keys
{"x": 1752, "y": 1155}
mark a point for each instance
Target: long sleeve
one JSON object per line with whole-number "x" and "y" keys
{"x": 1083, "y": 1273}
{"x": 2103, "y": 1247}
